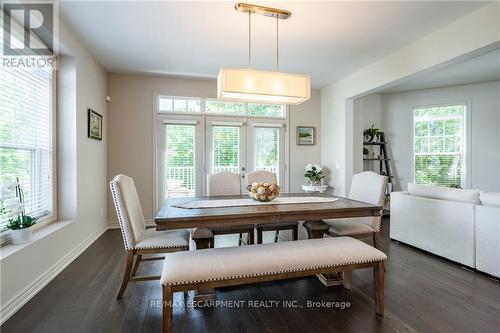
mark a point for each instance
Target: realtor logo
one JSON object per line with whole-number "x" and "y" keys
{"x": 37, "y": 20}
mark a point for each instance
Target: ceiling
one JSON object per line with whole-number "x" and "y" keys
{"x": 327, "y": 40}
{"x": 483, "y": 68}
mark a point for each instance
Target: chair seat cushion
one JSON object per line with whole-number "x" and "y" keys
{"x": 152, "y": 239}
{"x": 348, "y": 227}
{"x": 265, "y": 259}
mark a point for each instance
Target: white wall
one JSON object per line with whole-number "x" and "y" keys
{"x": 397, "y": 117}
{"x": 130, "y": 129}
{"x": 25, "y": 269}
{"x": 476, "y": 32}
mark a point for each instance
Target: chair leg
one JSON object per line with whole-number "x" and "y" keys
{"x": 378, "y": 279}
{"x": 375, "y": 240}
{"x": 276, "y": 236}
{"x": 126, "y": 276}
{"x": 251, "y": 237}
{"x": 259, "y": 235}
{"x": 295, "y": 232}
{"x": 240, "y": 239}
{"x": 167, "y": 305}
{"x": 138, "y": 260}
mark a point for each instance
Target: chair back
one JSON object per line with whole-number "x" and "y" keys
{"x": 369, "y": 187}
{"x": 223, "y": 183}
{"x": 128, "y": 209}
{"x": 261, "y": 176}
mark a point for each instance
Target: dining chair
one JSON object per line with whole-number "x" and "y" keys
{"x": 262, "y": 176}
{"x": 139, "y": 240}
{"x": 228, "y": 183}
{"x": 368, "y": 187}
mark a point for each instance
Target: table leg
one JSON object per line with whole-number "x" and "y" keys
{"x": 204, "y": 239}
{"x": 317, "y": 229}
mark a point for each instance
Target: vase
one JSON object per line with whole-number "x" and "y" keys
{"x": 20, "y": 236}
{"x": 313, "y": 182}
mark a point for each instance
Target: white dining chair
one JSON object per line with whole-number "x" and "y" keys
{"x": 139, "y": 240}
{"x": 262, "y": 176}
{"x": 228, "y": 183}
{"x": 368, "y": 187}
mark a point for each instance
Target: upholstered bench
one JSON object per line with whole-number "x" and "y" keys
{"x": 220, "y": 267}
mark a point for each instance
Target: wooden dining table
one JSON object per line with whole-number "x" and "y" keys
{"x": 171, "y": 216}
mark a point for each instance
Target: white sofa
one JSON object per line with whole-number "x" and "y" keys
{"x": 460, "y": 225}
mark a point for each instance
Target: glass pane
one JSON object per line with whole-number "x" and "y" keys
{"x": 267, "y": 142}
{"x": 165, "y": 104}
{"x": 421, "y": 128}
{"x": 193, "y": 105}
{"x": 269, "y": 110}
{"x": 421, "y": 145}
{"x": 436, "y": 128}
{"x": 442, "y": 170}
{"x": 436, "y": 144}
{"x": 180, "y": 105}
{"x": 180, "y": 160}
{"x": 225, "y": 107}
{"x": 226, "y": 149}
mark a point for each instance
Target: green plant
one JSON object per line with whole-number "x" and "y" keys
{"x": 14, "y": 209}
{"x": 366, "y": 151}
{"x": 372, "y": 133}
{"x": 314, "y": 173}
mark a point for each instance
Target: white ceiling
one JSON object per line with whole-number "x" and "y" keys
{"x": 327, "y": 40}
{"x": 483, "y": 68}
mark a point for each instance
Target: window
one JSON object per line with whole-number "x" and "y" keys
{"x": 180, "y": 160}
{"x": 26, "y": 138}
{"x": 439, "y": 145}
{"x": 212, "y": 106}
{"x": 267, "y": 144}
{"x": 226, "y": 149}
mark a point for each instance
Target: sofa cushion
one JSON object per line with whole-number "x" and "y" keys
{"x": 444, "y": 193}
{"x": 490, "y": 198}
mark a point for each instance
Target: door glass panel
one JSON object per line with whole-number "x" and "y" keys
{"x": 267, "y": 142}
{"x": 180, "y": 160}
{"x": 226, "y": 149}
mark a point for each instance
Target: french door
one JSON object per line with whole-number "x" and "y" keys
{"x": 190, "y": 147}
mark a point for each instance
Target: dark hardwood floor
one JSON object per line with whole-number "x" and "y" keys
{"x": 423, "y": 293}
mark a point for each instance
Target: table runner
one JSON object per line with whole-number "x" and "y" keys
{"x": 218, "y": 203}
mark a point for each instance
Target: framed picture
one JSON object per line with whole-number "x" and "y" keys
{"x": 305, "y": 135}
{"x": 94, "y": 125}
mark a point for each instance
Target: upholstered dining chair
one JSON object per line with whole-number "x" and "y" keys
{"x": 262, "y": 176}
{"x": 368, "y": 187}
{"x": 137, "y": 239}
{"x": 228, "y": 183}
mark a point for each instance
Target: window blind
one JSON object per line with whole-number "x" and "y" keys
{"x": 26, "y": 141}
{"x": 267, "y": 149}
{"x": 438, "y": 145}
{"x": 180, "y": 177}
{"x": 226, "y": 149}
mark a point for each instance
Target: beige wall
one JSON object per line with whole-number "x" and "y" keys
{"x": 130, "y": 127}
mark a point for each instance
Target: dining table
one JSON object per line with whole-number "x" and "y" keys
{"x": 223, "y": 211}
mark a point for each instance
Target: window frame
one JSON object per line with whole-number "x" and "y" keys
{"x": 44, "y": 220}
{"x": 158, "y": 116}
{"x": 466, "y": 142}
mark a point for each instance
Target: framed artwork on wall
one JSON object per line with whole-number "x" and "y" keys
{"x": 305, "y": 136}
{"x": 94, "y": 125}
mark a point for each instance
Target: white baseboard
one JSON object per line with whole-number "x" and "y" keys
{"x": 19, "y": 301}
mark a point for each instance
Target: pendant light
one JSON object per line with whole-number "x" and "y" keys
{"x": 250, "y": 85}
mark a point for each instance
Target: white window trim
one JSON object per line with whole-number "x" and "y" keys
{"x": 159, "y": 116}
{"x": 45, "y": 220}
{"x": 467, "y": 164}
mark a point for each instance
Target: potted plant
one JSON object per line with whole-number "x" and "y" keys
{"x": 366, "y": 153}
{"x": 314, "y": 174}
{"x": 13, "y": 208}
{"x": 372, "y": 133}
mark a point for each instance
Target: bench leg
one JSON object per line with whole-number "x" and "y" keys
{"x": 347, "y": 280}
{"x": 168, "y": 303}
{"x": 295, "y": 232}
{"x": 378, "y": 277}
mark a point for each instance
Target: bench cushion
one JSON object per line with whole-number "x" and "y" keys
{"x": 265, "y": 259}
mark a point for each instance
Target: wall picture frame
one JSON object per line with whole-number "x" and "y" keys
{"x": 305, "y": 135}
{"x": 94, "y": 125}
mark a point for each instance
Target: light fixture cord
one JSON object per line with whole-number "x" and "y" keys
{"x": 249, "y": 38}
{"x": 277, "y": 45}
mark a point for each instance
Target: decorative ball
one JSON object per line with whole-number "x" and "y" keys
{"x": 263, "y": 191}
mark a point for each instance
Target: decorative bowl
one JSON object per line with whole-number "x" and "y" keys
{"x": 263, "y": 191}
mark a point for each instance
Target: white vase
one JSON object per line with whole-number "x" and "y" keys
{"x": 20, "y": 236}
